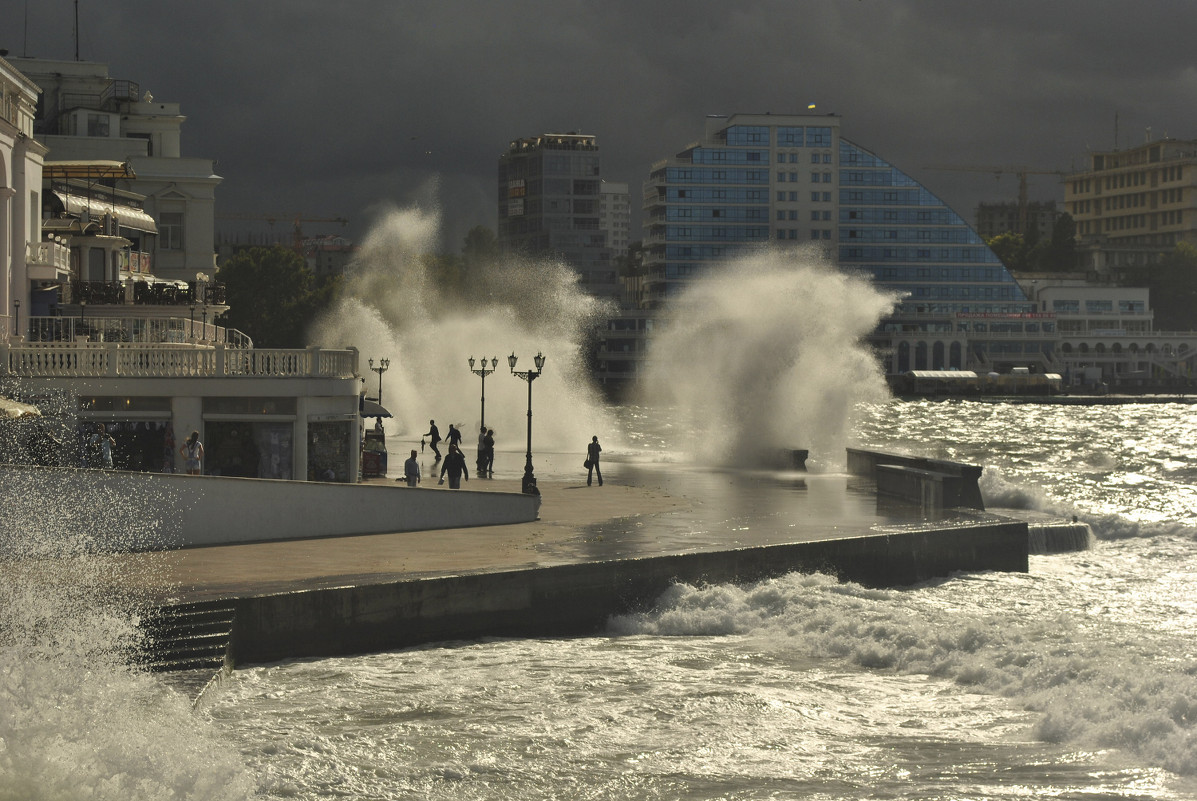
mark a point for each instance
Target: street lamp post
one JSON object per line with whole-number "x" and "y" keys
{"x": 383, "y": 364}
{"x": 484, "y": 371}
{"x": 193, "y": 322}
{"x": 82, "y": 311}
{"x": 205, "y": 328}
{"x": 17, "y": 320}
{"x": 529, "y": 482}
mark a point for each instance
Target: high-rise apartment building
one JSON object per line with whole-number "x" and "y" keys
{"x": 615, "y": 216}
{"x": 782, "y": 180}
{"x": 549, "y": 193}
{"x": 1132, "y": 206}
{"x": 768, "y": 180}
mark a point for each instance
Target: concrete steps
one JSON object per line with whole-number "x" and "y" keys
{"x": 190, "y": 636}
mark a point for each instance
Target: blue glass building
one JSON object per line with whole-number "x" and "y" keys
{"x": 781, "y": 180}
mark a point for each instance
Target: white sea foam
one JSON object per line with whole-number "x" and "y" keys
{"x": 1092, "y": 683}
{"x": 75, "y": 720}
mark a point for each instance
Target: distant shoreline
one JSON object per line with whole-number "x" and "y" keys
{"x": 1060, "y": 400}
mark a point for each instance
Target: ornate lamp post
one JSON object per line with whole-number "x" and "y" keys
{"x": 82, "y": 311}
{"x": 529, "y": 482}
{"x": 17, "y": 319}
{"x": 204, "y": 330}
{"x": 484, "y": 372}
{"x": 192, "y": 322}
{"x": 380, "y": 369}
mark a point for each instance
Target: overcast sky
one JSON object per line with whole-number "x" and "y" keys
{"x": 329, "y": 109}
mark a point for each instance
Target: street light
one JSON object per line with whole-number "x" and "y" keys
{"x": 82, "y": 310}
{"x": 192, "y": 322}
{"x": 17, "y": 320}
{"x": 484, "y": 372}
{"x": 529, "y": 482}
{"x": 380, "y": 369}
{"x": 205, "y": 328}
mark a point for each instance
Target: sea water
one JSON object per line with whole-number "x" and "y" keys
{"x": 1076, "y": 679}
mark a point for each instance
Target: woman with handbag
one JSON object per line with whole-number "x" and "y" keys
{"x": 592, "y": 461}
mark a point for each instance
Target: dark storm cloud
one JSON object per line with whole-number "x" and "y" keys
{"x": 330, "y": 109}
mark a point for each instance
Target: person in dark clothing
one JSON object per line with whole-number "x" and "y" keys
{"x": 592, "y": 456}
{"x": 455, "y": 466}
{"x": 454, "y": 436}
{"x": 488, "y": 455}
{"x": 434, "y": 437}
{"x": 481, "y": 463}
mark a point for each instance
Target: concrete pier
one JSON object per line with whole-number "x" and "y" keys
{"x": 593, "y": 552}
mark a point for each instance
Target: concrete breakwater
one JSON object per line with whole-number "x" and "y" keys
{"x": 577, "y": 599}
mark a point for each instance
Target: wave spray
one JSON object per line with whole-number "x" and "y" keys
{"x": 395, "y": 306}
{"x": 768, "y": 353}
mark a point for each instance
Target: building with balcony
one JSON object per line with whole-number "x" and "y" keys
{"x": 93, "y": 335}
{"x": 549, "y": 196}
{"x": 21, "y": 162}
{"x": 85, "y": 116}
{"x": 1132, "y": 206}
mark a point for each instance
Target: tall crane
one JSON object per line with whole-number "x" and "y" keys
{"x": 998, "y": 172}
{"x": 297, "y": 221}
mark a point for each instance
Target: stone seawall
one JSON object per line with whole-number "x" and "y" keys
{"x": 578, "y": 599}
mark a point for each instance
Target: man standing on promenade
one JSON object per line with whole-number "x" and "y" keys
{"x": 455, "y": 464}
{"x": 411, "y": 470}
{"x": 434, "y": 436}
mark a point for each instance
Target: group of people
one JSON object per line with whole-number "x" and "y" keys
{"x": 454, "y": 465}
{"x": 101, "y": 446}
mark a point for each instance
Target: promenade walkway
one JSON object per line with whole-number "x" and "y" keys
{"x": 640, "y": 511}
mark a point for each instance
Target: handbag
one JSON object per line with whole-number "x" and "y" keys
{"x": 586, "y": 464}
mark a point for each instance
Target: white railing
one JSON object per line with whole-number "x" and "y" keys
{"x": 145, "y": 330}
{"x": 49, "y": 254}
{"x": 94, "y": 359}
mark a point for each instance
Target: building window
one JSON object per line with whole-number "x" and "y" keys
{"x": 170, "y": 230}
{"x": 793, "y": 197}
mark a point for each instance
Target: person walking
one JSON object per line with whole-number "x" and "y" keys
{"x": 592, "y": 460}
{"x": 434, "y": 437}
{"x": 411, "y": 470}
{"x": 455, "y": 465}
{"x": 454, "y": 437}
{"x": 193, "y": 455}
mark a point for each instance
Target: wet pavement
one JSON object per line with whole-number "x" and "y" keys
{"x": 643, "y": 509}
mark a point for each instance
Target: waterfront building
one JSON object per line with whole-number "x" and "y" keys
{"x": 92, "y": 335}
{"x": 85, "y": 116}
{"x": 549, "y": 195}
{"x": 21, "y": 163}
{"x": 1107, "y": 334}
{"x": 1133, "y": 206}
{"x": 769, "y": 180}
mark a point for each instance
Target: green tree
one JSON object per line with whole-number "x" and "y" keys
{"x": 273, "y": 296}
{"x": 1011, "y": 249}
